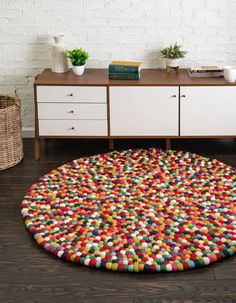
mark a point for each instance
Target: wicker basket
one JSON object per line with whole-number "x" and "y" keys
{"x": 11, "y": 145}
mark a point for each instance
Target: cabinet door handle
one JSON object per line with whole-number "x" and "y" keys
{"x": 71, "y": 112}
{"x": 183, "y": 96}
{"x": 173, "y": 96}
{"x": 70, "y": 95}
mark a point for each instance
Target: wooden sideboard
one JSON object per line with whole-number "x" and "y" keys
{"x": 156, "y": 106}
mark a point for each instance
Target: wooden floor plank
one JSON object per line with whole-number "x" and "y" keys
{"x": 137, "y": 292}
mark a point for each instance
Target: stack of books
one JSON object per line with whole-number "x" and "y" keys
{"x": 124, "y": 70}
{"x": 206, "y": 71}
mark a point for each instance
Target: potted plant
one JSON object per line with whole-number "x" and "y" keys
{"x": 173, "y": 54}
{"x": 78, "y": 58}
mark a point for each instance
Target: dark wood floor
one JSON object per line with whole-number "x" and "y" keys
{"x": 29, "y": 274}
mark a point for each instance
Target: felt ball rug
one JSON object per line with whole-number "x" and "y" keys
{"x": 136, "y": 210}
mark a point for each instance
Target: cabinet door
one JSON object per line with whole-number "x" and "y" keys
{"x": 208, "y": 111}
{"x": 144, "y": 111}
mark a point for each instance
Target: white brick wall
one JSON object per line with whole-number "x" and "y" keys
{"x": 109, "y": 29}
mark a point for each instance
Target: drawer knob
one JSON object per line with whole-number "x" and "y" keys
{"x": 71, "y": 112}
{"x": 70, "y": 95}
{"x": 72, "y": 128}
{"x": 173, "y": 96}
{"x": 183, "y": 96}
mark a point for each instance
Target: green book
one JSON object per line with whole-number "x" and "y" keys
{"x": 124, "y": 76}
{"x": 123, "y": 69}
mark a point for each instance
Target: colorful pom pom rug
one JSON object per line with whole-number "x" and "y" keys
{"x": 136, "y": 210}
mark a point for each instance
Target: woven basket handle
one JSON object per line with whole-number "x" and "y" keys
{"x": 18, "y": 102}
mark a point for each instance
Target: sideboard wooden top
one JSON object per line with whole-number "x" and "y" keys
{"x": 149, "y": 77}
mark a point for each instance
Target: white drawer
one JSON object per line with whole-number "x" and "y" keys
{"x": 73, "y": 128}
{"x": 72, "y": 111}
{"x": 71, "y": 94}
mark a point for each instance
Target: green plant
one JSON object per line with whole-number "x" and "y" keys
{"x": 77, "y": 56}
{"x": 173, "y": 52}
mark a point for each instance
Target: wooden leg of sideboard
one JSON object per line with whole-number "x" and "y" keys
{"x": 168, "y": 143}
{"x": 36, "y": 149}
{"x": 111, "y": 144}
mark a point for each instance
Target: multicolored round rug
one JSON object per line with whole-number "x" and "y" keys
{"x": 136, "y": 210}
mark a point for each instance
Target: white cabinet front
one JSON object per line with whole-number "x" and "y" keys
{"x": 70, "y": 111}
{"x": 208, "y": 111}
{"x": 144, "y": 111}
{"x": 73, "y": 128}
{"x": 84, "y": 94}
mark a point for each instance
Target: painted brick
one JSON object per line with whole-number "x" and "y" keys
{"x": 110, "y": 29}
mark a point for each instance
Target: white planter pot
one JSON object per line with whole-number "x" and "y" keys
{"x": 173, "y": 62}
{"x": 78, "y": 70}
{"x": 230, "y": 74}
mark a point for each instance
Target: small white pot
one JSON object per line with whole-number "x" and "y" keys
{"x": 172, "y": 62}
{"x": 78, "y": 70}
{"x": 230, "y": 74}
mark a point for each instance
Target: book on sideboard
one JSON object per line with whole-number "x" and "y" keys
{"x": 125, "y": 67}
{"x": 205, "y": 71}
{"x": 206, "y": 68}
{"x": 124, "y": 76}
{"x": 205, "y": 74}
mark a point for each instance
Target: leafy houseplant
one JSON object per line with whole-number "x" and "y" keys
{"x": 78, "y": 58}
{"x": 173, "y": 54}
